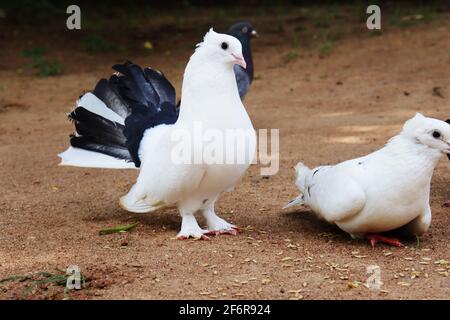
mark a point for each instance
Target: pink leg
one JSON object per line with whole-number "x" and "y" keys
{"x": 375, "y": 238}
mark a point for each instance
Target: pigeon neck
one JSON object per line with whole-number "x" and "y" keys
{"x": 409, "y": 162}
{"x": 411, "y": 152}
{"x": 205, "y": 86}
{"x": 247, "y": 53}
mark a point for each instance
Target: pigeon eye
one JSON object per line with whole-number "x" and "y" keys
{"x": 224, "y": 45}
{"x": 436, "y": 134}
{"x": 244, "y": 29}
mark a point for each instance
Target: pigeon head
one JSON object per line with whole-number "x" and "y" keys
{"x": 221, "y": 48}
{"x": 430, "y": 132}
{"x": 243, "y": 31}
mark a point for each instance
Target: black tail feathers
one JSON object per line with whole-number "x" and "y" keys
{"x": 143, "y": 98}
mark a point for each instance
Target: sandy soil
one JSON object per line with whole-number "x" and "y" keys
{"x": 328, "y": 109}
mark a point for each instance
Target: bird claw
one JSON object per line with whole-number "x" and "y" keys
{"x": 202, "y": 237}
{"x": 191, "y": 229}
{"x": 231, "y": 231}
{"x": 447, "y": 204}
{"x": 212, "y": 233}
{"x": 375, "y": 238}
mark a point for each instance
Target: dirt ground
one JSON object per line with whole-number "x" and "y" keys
{"x": 329, "y": 107}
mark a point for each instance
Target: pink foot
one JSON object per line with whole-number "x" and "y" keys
{"x": 375, "y": 238}
{"x": 202, "y": 237}
{"x": 232, "y": 231}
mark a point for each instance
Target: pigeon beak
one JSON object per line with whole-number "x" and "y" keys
{"x": 238, "y": 59}
{"x": 254, "y": 34}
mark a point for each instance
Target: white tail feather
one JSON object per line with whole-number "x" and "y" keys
{"x": 138, "y": 201}
{"x": 83, "y": 158}
{"x": 297, "y": 201}
{"x": 301, "y": 171}
{"x": 93, "y": 104}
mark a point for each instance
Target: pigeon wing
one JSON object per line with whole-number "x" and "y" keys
{"x": 242, "y": 79}
{"x": 334, "y": 194}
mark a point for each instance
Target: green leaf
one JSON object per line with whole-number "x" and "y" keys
{"x": 123, "y": 228}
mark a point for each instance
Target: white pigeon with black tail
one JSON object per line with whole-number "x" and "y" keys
{"x": 383, "y": 191}
{"x": 132, "y": 121}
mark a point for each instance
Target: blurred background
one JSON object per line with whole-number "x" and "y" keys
{"x": 35, "y": 40}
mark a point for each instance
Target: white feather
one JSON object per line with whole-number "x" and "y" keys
{"x": 83, "y": 158}
{"x": 93, "y": 104}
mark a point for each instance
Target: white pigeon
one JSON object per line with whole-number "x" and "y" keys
{"x": 383, "y": 191}
{"x": 132, "y": 120}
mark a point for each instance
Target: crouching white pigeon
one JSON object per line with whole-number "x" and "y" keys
{"x": 132, "y": 121}
{"x": 383, "y": 191}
